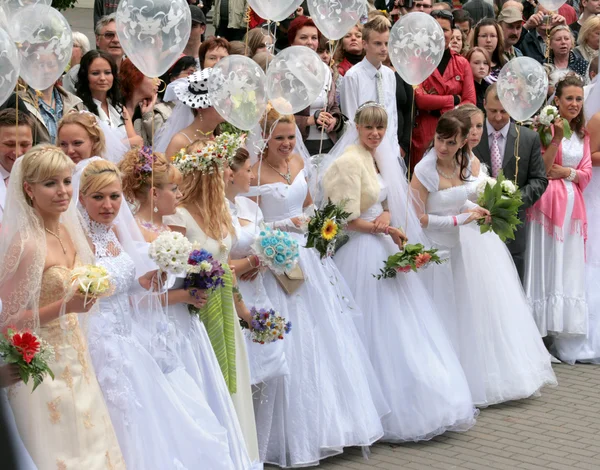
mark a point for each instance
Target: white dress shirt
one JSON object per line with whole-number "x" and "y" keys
{"x": 113, "y": 118}
{"x": 359, "y": 85}
{"x": 3, "y": 187}
{"x": 501, "y": 140}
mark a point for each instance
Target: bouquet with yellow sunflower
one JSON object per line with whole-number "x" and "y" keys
{"x": 325, "y": 232}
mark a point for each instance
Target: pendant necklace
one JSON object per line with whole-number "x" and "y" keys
{"x": 58, "y": 238}
{"x": 286, "y": 176}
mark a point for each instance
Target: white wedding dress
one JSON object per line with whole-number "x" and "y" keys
{"x": 490, "y": 323}
{"x": 155, "y": 429}
{"x": 331, "y": 398}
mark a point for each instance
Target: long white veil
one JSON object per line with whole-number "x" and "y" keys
{"x": 181, "y": 117}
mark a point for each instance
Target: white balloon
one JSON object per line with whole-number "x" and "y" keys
{"x": 552, "y": 5}
{"x": 295, "y": 78}
{"x": 522, "y": 87}
{"x": 275, "y": 10}
{"x": 153, "y": 33}
{"x": 237, "y": 90}
{"x": 9, "y": 66}
{"x": 44, "y": 52}
{"x": 15, "y": 27}
{"x": 335, "y": 18}
{"x": 416, "y": 46}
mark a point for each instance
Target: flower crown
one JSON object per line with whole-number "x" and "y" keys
{"x": 145, "y": 163}
{"x": 214, "y": 154}
{"x": 227, "y": 144}
{"x": 370, "y": 104}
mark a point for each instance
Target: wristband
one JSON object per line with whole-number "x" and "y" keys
{"x": 572, "y": 175}
{"x": 552, "y": 143}
{"x": 316, "y": 115}
{"x": 454, "y": 220}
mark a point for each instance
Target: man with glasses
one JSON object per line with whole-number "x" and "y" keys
{"x": 479, "y": 9}
{"x": 421, "y": 5}
{"x": 104, "y": 8}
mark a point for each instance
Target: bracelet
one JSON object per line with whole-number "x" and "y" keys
{"x": 455, "y": 220}
{"x": 316, "y": 115}
{"x": 552, "y": 143}
{"x": 572, "y": 175}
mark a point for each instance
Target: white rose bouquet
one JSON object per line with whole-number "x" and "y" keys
{"x": 543, "y": 123}
{"x": 170, "y": 251}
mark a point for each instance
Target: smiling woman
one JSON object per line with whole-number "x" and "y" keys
{"x": 80, "y": 137}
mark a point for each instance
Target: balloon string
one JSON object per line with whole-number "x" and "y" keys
{"x": 152, "y": 173}
{"x": 332, "y": 50}
{"x": 247, "y": 18}
{"x": 548, "y": 39}
{"x": 17, "y": 119}
{"x": 517, "y": 158}
{"x": 412, "y": 112}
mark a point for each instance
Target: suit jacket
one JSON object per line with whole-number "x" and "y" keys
{"x": 531, "y": 179}
{"x": 530, "y": 47}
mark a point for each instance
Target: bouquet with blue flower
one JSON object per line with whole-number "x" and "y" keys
{"x": 276, "y": 250}
{"x": 267, "y": 325}
{"x": 203, "y": 272}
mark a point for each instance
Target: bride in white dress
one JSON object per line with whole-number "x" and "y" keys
{"x": 331, "y": 398}
{"x": 424, "y": 384}
{"x": 154, "y": 428}
{"x": 493, "y": 332}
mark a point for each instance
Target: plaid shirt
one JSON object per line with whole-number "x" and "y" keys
{"x": 52, "y": 116}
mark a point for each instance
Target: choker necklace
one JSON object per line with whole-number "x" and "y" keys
{"x": 444, "y": 174}
{"x": 57, "y": 236}
{"x": 286, "y": 176}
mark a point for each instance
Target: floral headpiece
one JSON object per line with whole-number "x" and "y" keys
{"x": 204, "y": 160}
{"x": 370, "y": 104}
{"x": 227, "y": 144}
{"x": 145, "y": 163}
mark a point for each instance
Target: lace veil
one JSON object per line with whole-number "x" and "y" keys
{"x": 23, "y": 253}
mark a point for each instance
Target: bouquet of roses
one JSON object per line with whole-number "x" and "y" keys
{"x": 276, "y": 249}
{"x": 203, "y": 272}
{"x": 92, "y": 280}
{"x": 29, "y": 353}
{"x": 267, "y": 326}
{"x": 543, "y": 122}
{"x": 170, "y": 251}
{"x": 325, "y": 229}
{"x": 502, "y": 199}
{"x": 412, "y": 258}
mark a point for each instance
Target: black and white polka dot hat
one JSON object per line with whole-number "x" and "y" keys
{"x": 193, "y": 92}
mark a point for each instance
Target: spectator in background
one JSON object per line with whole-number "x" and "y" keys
{"x": 258, "y": 40}
{"x": 481, "y": 64}
{"x": 588, "y": 39}
{"x": 591, "y": 8}
{"x": 212, "y": 51}
{"x": 511, "y": 22}
{"x": 424, "y": 6}
{"x": 81, "y": 45}
{"x": 463, "y": 21}
{"x": 533, "y": 42}
{"x": 488, "y": 35}
{"x": 479, "y": 9}
{"x": 230, "y": 19}
{"x": 263, "y": 59}
{"x": 324, "y": 53}
{"x": 448, "y": 86}
{"x": 104, "y": 8}
{"x": 458, "y": 42}
{"x": 196, "y": 33}
{"x": 562, "y": 59}
{"x": 237, "y": 48}
{"x": 350, "y": 51}
{"x": 441, "y": 6}
{"x": 513, "y": 4}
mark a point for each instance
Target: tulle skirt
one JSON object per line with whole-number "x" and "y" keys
{"x": 499, "y": 345}
{"x": 420, "y": 375}
{"x": 331, "y": 398}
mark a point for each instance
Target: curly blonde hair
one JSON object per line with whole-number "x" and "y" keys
{"x": 88, "y": 121}
{"x": 205, "y": 193}
{"x": 137, "y": 182}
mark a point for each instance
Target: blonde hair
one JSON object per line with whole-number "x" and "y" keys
{"x": 377, "y": 24}
{"x": 338, "y": 55}
{"x": 137, "y": 182}
{"x": 88, "y": 121}
{"x": 205, "y": 192}
{"x": 255, "y": 39}
{"x": 467, "y": 110}
{"x": 589, "y": 26}
{"x": 273, "y": 116}
{"x": 98, "y": 175}
{"x": 371, "y": 116}
{"x": 562, "y": 27}
{"x": 42, "y": 162}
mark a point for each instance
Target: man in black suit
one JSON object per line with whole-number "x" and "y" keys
{"x": 497, "y": 151}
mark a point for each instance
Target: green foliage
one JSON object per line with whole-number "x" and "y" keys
{"x": 330, "y": 213}
{"x": 63, "y": 4}
{"x": 503, "y": 207}
{"x": 412, "y": 258}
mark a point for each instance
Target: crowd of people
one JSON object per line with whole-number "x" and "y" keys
{"x": 90, "y": 175}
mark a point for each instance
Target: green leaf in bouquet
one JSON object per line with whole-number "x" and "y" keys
{"x": 567, "y": 132}
{"x": 545, "y": 136}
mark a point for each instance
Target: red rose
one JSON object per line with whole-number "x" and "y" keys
{"x": 405, "y": 269}
{"x": 27, "y": 344}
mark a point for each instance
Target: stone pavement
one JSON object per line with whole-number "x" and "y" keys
{"x": 559, "y": 430}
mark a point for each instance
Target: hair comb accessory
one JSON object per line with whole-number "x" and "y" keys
{"x": 369, "y": 104}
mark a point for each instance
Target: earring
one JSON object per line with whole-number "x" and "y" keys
{"x": 155, "y": 209}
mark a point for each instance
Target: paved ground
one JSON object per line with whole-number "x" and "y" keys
{"x": 559, "y": 430}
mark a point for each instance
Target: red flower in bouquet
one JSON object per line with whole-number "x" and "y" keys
{"x": 422, "y": 259}
{"x": 27, "y": 344}
{"x": 404, "y": 269}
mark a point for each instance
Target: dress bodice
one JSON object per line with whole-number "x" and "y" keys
{"x": 376, "y": 209}
{"x": 55, "y": 282}
{"x": 572, "y": 151}
{"x": 245, "y": 234}
{"x": 280, "y": 201}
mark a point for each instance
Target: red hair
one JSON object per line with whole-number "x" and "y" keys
{"x": 130, "y": 78}
{"x": 297, "y": 24}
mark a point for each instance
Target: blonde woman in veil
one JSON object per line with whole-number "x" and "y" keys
{"x": 64, "y": 424}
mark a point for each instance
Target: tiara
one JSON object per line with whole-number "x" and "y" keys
{"x": 370, "y": 104}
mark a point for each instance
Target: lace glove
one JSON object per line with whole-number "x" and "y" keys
{"x": 445, "y": 221}
{"x": 469, "y": 205}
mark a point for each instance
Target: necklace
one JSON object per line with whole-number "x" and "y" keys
{"x": 203, "y": 135}
{"x": 445, "y": 175}
{"x": 286, "y": 176}
{"x": 155, "y": 228}
{"x": 58, "y": 238}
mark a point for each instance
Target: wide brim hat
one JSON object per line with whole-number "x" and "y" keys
{"x": 193, "y": 92}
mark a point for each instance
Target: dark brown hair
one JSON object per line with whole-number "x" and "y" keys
{"x": 209, "y": 45}
{"x": 241, "y": 156}
{"x": 498, "y": 54}
{"x": 452, "y": 124}
{"x": 8, "y": 118}
{"x": 578, "y": 124}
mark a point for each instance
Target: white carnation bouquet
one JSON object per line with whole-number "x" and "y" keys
{"x": 170, "y": 251}
{"x": 543, "y": 122}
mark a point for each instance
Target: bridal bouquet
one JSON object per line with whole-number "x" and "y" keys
{"x": 203, "y": 272}
{"x": 267, "y": 326}
{"x": 276, "y": 249}
{"x": 412, "y": 258}
{"x": 170, "y": 251}
{"x": 325, "y": 229}
{"x": 92, "y": 280}
{"x": 29, "y": 353}
{"x": 542, "y": 124}
{"x": 502, "y": 198}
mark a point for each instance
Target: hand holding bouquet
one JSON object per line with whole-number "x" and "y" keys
{"x": 267, "y": 326}
{"x": 502, "y": 199}
{"x": 170, "y": 251}
{"x": 92, "y": 280}
{"x": 29, "y": 353}
{"x": 543, "y": 122}
{"x": 413, "y": 258}
{"x": 276, "y": 249}
{"x": 325, "y": 229}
